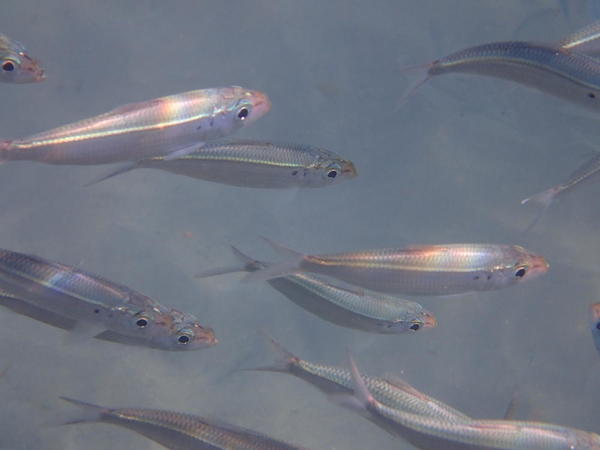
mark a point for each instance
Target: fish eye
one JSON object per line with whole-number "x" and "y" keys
{"x": 183, "y": 339}
{"x": 520, "y": 272}
{"x": 332, "y": 173}
{"x": 415, "y": 326}
{"x": 142, "y": 323}
{"x": 243, "y": 113}
{"x": 8, "y": 66}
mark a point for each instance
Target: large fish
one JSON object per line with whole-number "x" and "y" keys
{"x": 418, "y": 270}
{"x": 95, "y": 306}
{"x": 586, "y": 173}
{"x": 554, "y": 70}
{"x": 478, "y": 434}
{"x": 256, "y": 164}
{"x": 178, "y": 431}
{"x": 173, "y": 125}
{"x": 16, "y": 66}
{"x": 344, "y": 306}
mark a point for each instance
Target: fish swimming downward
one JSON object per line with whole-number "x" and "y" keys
{"x": 343, "y": 306}
{"x": 168, "y": 126}
{"x": 178, "y": 431}
{"x": 16, "y": 66}
{"x": 475, "y": 434}
{"x": 256, "y": 164}
{"x": 417, "y": 270}
{"x": 71, "y": 298}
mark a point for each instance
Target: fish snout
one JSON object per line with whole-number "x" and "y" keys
{"x": 538, "y": 266}
{"x": 349, "y": 169}
{"x": 261, "y": 105}
{"x": 429, "y": 320}
{"x": 205, "y": 337}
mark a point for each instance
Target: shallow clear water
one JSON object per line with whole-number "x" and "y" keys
{"x": 451, "y": 164}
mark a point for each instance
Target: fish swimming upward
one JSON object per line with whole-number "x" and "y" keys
{"x": 95, "y": 306}
{"x": 417, "y": 270}
{"x": 173, "y": 126}
{"x": 476, "y": 434}
{"x": 554, "y": 70}
{"x": 256, "y": 164}
{"x": 343, "y": 306}
{"x": 178, "y": 431}
{"x": 16, "y": 66}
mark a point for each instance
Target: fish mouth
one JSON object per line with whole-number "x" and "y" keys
{"x": 261, "y": 105}
{"x": 538, "y": 266}
{"x": 429, "y": 320}
{"x": 206, "y": 338}
{"x": 349, "y": 169}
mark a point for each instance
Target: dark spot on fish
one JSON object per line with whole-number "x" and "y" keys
{"x": 243, "y": 113}
{"x": 96, "y": 311}
{"x": 591, "y": 95}
{"x": 476, "y": 277}
{"x": 183, "y": 339}
{"x": 8, "y": 66}
{"x": 415, "y": 327}
{"x": 141, "y": 323}
{"x": 295, "y": 172}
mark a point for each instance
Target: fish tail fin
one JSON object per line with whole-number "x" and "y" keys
{"x": 283, "y": 359}
{"x": 123, "y": 169}
{"x": 545, "y": 199}
{"x": 415, "y": 86}
{"x": 276, "y": 270}
{"x": 90, "y": 412}
{"x": 248, "y": 265}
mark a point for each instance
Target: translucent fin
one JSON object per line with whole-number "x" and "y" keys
{"x": 398, "y": 382}
{"x": 544, "y": 199}
{"x": 415, "y": 86}
{"x": 361, "y": 392}
{"x": 124, "y": 168}
{"x": 283, "y": 359}
{"x": 282, "y": 249}
{"x": 511, "y": 409}
{"x": 277, "y": 270}
{"x": 83, "y": 331}
{"x": 220, "y": 271}
{"x": 183, "y": 151}
{"x": 248, "y": 265}
{"x": 90, "y": 412}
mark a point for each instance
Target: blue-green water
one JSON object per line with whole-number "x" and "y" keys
{"x": 450, "y": 164}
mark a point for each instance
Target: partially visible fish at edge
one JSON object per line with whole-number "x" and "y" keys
{"x": 16, "y": 66}
{"x": 595, "y": 324}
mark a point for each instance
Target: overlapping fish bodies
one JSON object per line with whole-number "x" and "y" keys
{"x": 173, "y": 125}
{"x": 178, "y": 431}
{"x": 257, "y": 164}
{"x": 391, "y": 391}
{"x": 484, "y": 434}
{"x": 98, "y": 305}
{"x": 343, "y": 306}
{"x": 554, "y": 70}
{"x": 595, "y": 324}
{"x": 418, "y": 270}
{"x": 587, "y": 172}
{"x": 16, "y": 66}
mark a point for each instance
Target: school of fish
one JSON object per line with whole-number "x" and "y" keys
{"x": 355, "y": 289}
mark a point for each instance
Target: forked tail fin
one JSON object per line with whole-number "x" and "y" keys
{"x": 544, "y": 199}
{"x": 90, "y": 412}
{"x": 283, "y": 359}
{"x": 277, "y": 270}
{"x": 415, "y": 86}
{"x": 248, "y": 265}
{"x": 126, "y": 167}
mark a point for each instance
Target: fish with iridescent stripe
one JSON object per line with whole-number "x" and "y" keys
{"x": 342, "y": 305}
{"x": 178, "y": 431}
{"x": 482, "y": 434}
{"x": 417, "y": 270}
{"x": 16, "y": 66}
{"x": 96, "y": 306}
{"x": 256, "y": 164}
{"x": 174, "y": 125}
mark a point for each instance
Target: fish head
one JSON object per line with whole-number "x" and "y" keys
{"x": 524, "y": 266}
{"x": 20, "y": 68}
{"x": 171, "y": 330}
{"x": 238, "y": 107}
{"x": 328, "y": 169}
{"x": 413, "y": 319}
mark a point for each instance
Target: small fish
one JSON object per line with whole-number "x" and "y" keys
{"x": 178, "y": 431}
{"x": 95, "y": 305}
{"x": 554, "y": 70}
{"x": 256, "y": 164}
{"x": 585, "y": 40}
{"x": 417, "y": 270}
{"x": 498, "y": 434}
{"x": 587, "y": 172}
{"x": 173, "y": 126}
{"x": 342, "y": 306}
{"x": 595, "y": 324}
{"x": 333, "y": 380}
{"x": 16, "y": 66}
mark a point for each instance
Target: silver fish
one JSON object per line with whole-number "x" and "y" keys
{"x": 554, "y": 70}
{"x": 255, "y": 164}
{"x": 587, "y": 172}
{"x": 417, "y": 270}
{"x": 16, "y": 66}
{"x": 96, "y": 305}
{"x": 585, "y": 40}
{"x": 483, "y": 434}
{"x": 173, "y": 125}
{"x": 343, "y": 306}
{"x": 178, "y": 431}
